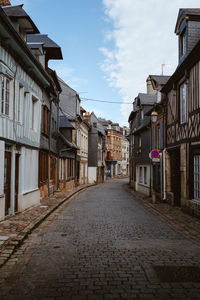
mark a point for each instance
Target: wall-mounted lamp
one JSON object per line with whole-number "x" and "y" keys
{"x": 154, "y": 116}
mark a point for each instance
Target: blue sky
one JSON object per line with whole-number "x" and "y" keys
{"x": 110, "y": 46}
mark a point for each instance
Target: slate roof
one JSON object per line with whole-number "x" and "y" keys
{"x": 160, "y": 79}
{"x": 17, "y": 12}
{"x": 53, "y": 49}
{"x": 146, "y": 99}
{"x": 54, "y": 76}
{"x": 68, "y": 143}
{"x": 144, "y": 124}
{"x": 100, "y": 128}
{"x": 64, "y": 122}
{"x": 192, "y": 58}
{"x": 189, "y": 12}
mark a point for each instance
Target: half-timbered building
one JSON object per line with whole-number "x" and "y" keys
{"x": 46, "y": 49}
{"x": 158, "y": 135}
{"x": 182, "y": 93}
{"x": 22, "y": 83}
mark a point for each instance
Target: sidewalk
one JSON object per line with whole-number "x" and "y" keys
{"x": 15, "y": 229}
{"x": 182, "y": 222}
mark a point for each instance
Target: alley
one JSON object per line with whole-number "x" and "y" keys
{"x": 103, "y": 245}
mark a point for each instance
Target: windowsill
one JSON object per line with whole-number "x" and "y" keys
{"x": 196, "y": 201}
{"x": 5, "y": 116}
{"x": 143, "y": 184}
{"x": 26, "y": 193}
{"x": 182, "y": 124}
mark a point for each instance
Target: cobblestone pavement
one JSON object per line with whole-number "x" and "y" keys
{"x": 15, "y": 229}
{"x": 103, "y": 245}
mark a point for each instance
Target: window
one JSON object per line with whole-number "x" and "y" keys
{"x": 183, "y": 43}
{"x": 141, "y": 114}
{"x": 197, "y": 177}
{"x": 183, "y": 103}
{"x": 145, "y": 175}
{"x": 139, "y": 143}
{"x": 20, "y": 103}
{"x": 45, "y": 117}
{"x": 140, "y": 175}
{"x": 5, "y": 95}
{"x": 43, "y": 167}
{"x": 158, "y": 136}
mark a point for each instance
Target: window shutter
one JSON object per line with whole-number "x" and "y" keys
{"x": 154, "y": 136}
{"x": 161, "y": 135}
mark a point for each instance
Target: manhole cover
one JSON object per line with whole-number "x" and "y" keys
{"x": 177, "y": 273}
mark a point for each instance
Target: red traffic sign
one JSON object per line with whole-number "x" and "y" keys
{"x": 155, "y": 154}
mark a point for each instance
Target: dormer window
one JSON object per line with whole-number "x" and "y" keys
{"x": 183, "y": 103}
{"x": 183, "y": 43}
{"x": 141, "y": 114}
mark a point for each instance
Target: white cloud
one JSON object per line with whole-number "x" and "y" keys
{"x": 68, "y": 74}
{"x": 144, "y": 39}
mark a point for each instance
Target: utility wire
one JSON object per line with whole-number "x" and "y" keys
{"x": 105, "y": 101}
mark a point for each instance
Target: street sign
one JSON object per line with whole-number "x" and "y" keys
{"x": 155, "y": 160}
{"x": 154, "y": 154}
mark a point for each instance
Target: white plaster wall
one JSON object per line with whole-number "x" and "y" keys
{"x": 141, "y": 186}
{"x": 92, "y": 174}
{"x": 29, "y": 170}
{"x": 2, "y": 150}
{"x": 2, "y": 197}
{"x": 28, "y": 199}
{"x": 2, "y": 207}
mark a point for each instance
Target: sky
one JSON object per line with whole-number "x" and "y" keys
{"x": 110, "y": 47}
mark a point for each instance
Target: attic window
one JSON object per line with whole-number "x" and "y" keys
{"x": 183, "y": 43}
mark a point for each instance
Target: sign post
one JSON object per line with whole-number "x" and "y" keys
{"x": 155, "y": 155}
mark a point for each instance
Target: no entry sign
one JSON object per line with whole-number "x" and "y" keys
{"x": 155, "y": 154}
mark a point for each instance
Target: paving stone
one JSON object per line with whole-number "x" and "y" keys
{"x": 102, "y": 245}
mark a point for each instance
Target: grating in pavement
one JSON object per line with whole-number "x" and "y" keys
{"x": 177, "y": 273}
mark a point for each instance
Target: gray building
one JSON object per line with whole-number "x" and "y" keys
{"x": 96, "y": 150}
{"x": 140, "y": 143}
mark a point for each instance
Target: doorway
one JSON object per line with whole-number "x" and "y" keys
{"x": 16, "y": 181}
{"x": 7, "y": 179}
{"x": 175, "y": 176}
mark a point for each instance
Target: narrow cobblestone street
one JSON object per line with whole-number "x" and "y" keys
{"x": 102, "y": 245}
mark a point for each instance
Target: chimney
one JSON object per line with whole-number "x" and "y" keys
{"x": 4, "y": 2}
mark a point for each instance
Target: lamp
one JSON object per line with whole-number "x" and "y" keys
{"x": 154, "y": 116}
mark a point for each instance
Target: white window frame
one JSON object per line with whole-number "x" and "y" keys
{"x": 20, "y": 103}
{"x": 5, "y": 95}
{"x": 140, "y": 175}
{"x": 197, "y": 177}
{"x": 145, "y": 175}
{"x": 183, "y": 43}
{"x": 34, "y": 101}
{"x": 183, "y": 102}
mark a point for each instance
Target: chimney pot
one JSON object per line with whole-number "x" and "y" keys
{"x": 4, "y": 2}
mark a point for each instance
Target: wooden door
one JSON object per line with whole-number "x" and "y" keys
{"x": 7, "y": 178}
{"x": 16, "y": 181}
{"x": 175, "y": 176}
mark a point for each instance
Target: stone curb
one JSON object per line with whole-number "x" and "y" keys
{"x": 14, "y": 243}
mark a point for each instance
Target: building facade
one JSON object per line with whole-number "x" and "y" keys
{"x": 140, "y": 143}
{"x": 183, "y": 105}
{"x": 125, "y": 152}
{"x": 22, "y": 84}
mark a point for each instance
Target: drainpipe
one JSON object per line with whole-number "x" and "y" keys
{"x": 12, "y": 187}
{"x": 49, "y": 154}
{"x": 164, "y": 175}
{"x": 58, "y": 153}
